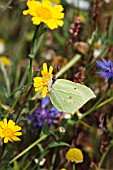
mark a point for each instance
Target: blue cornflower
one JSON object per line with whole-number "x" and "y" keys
{"x": 44, "y": 114}
{"x": 107, "y": 69}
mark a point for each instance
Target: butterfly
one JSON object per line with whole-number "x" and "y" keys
{"x": 68, "y": 96}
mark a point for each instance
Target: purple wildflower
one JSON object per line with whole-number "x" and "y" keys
{"x": 44, "y": 114}
{"x": 107, "y": 69}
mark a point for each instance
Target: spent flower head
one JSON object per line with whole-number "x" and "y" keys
{"x": 107, "y": 69}
{"x": 44, "y": 12}
{"x": 42, "y": 83}
{"x": 9, "y": 131}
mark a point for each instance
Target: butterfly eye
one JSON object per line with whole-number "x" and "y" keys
{"x": 70, "y": 97}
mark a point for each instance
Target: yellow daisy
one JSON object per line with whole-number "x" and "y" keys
{"x": 44, "y": 81}
{"x": 9, "y": 131}
{"x": 44, "y": 12}
{"x": 5, "y": 61}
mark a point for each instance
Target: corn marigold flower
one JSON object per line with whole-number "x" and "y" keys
{"x": 42, "y": 83}
{"x": 5, "y": 61}
{"x": 107, "y": 69}
{"x": 74, "y": 155}
{"x": 9, "y": 131}
{"x": 44, "y": 12}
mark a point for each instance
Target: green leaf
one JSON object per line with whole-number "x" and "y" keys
{"x": 57, "y": 144}
{"x": 68, "y": 96}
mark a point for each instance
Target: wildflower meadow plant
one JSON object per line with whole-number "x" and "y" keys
{"x": 52, "y": 108}
{"x": 43, "y": 114}
{"x": 44, "y": 81}
{"x": 107, "y": 69}
{"x": 9, "y": 131}
{"x": 44, "y": 12}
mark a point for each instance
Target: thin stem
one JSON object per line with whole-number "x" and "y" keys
{"x": 105, "y": 154}
{"x": 74, "y": 166}
{"x": 27, "y": 86}
{"x": 29, "y": 148}
{"x": 105, "y": 102}
{"x": 25, "y": 100}
{"x": 96, "y": 104}
{"x": 2, "y": 153}
{"x": 75, "y": 59}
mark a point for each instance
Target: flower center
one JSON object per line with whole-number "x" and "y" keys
{"x": 46, "y": 78}
{"x": 44, "y": 13}
{"x": 7, "y": 132}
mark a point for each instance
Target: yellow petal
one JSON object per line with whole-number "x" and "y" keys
{"x": 18, "y": 133}
{"x": 6, "y": 140}
{"x": 44, "y": 92}
{"x": 36, "y": 20}
{"x": 2, "y": 124}
{"x": 38, "y": 85}
{"x": 38, "y": 88}
{"x": 1, "y": 134}
{"x": 55, "y": 1}
{"x": 25, "y": 12}
{"x": 45, "y": 67}
{"x": 50, "y": 69}
{"x": 15, "y": 138}
{"x": 37, "y": 79}
{"x": 11, "y": 124}
{"x": 16, "y": 128}
{"x": 5, "y": 122}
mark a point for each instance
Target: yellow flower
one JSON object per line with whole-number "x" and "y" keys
{"x": 63, "y": 169}
{"x": 45, "y": 12}
{"x": 9, "y": 131}
{"x": 74, "y": 155}
{"x": 5, "y": 61}
{"x": 44, "y": 81}
{"x": 55, "y": 1}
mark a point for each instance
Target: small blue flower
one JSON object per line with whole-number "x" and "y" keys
{"x": 107, "y": 69}
{"x": 44, "y": 114}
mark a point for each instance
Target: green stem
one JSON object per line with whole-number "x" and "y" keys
{"x": 29, "y": 148}
{"x": 105, "y": 154}
{"x": 69, "y": 65}
{"x": 105, "y": 102}
{"x": 30, "y": 72}
{"x": 74, "y": 166}
{"x": 96, "y": 104}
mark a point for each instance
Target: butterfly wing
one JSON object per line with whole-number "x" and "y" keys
{"x": 68, "y": 96}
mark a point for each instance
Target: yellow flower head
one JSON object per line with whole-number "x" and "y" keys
{"x": 44, "y": 81}
{"x": 44, "y": 12}
{"x": 5, "y": 61}
{"x": 74, "y": 155}
{"x": 9, "y": 131}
